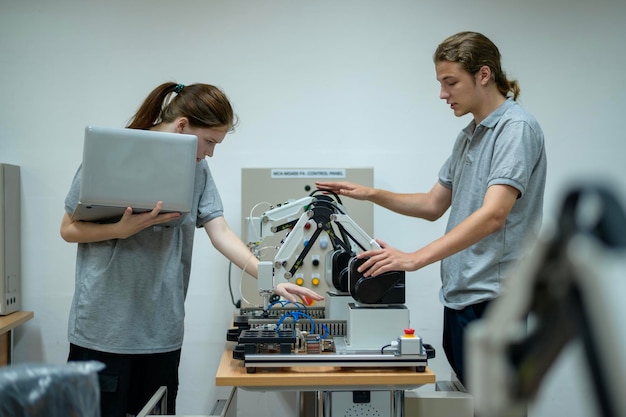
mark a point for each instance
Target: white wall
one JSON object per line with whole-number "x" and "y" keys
{"x": 350, "y": 82}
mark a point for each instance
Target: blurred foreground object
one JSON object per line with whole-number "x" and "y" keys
{"x": 69, "y": 390}
{"x": 571, "y": 286}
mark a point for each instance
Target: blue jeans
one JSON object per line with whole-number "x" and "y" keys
{"x": 454, "y": 324}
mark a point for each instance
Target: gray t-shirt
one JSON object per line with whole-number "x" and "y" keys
{"x": 505, "y": 148}
{"x": 129, "y": 294}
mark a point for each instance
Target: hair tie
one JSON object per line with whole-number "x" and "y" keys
{"x": 179, "y": 88}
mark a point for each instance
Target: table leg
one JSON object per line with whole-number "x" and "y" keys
{"x": 326, "y": 403}
{"x": 397, "y": 403}
{"x": 310, "y": 403}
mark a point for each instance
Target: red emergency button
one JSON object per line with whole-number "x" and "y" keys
{"x": 409, "y": 332}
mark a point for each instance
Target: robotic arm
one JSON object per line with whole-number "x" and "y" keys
{"x": 347, "y": 239}
{"x": 277, "y": 219}
{"x": 571, "y": 286}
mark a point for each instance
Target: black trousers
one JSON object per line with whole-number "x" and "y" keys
{"x": 128, "y": 381}
{"x": 454, "y": 324}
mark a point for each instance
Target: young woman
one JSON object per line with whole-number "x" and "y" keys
{"x": 132, "y": 275}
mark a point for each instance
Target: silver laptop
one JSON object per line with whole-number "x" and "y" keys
{"x": 135, "y": 168}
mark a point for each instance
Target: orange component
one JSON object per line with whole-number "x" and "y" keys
{"x": 315, "y": 282}
{"x": 307, "y": 301}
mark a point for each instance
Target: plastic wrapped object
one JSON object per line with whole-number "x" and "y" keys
{"x": 69, "y": 390}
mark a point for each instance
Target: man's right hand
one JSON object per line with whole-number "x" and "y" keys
{"x": 345, "y": 188}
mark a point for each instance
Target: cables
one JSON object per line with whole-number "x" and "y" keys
{"x": 284, "y": 303}
{"x": 296, "y": 315}
{"x": 237, "y": 303}
{"x": 243, "y": 271}
{"x": 324, "y": 192}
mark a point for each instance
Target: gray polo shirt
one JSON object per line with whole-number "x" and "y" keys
{"x": 130, "y": 293}
{"x": 505, "y": 148}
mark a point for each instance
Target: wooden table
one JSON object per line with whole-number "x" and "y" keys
{"x": 323, "y": 380}
{"x": 7, "y": 324}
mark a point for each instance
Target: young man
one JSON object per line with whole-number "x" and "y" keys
{"x": 493, "y": 184}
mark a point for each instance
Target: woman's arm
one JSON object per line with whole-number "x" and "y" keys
{"x": 228, "y": 244}
{"x": 87, "y": 232}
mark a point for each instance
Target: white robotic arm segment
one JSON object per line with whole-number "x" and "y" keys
{"x": 272, "y": 220}
{"x": 292, "y": 242}
{"x": 265, "y": 282}
{"x": 275, "y": 219}
{"x": 357, "y": 234}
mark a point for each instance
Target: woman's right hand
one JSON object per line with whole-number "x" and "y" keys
{"x": 131, "y": 223}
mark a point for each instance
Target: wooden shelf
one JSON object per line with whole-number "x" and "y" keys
{"x": 8, "y": 323}
{"x": 232, "y": 373}
{"x": 11, "y": 321}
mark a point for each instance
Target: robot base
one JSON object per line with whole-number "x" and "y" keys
{"x": 371, "y": 327}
